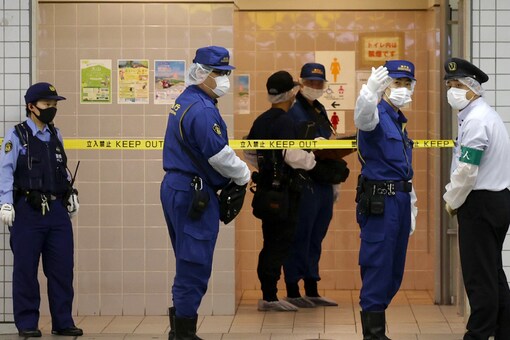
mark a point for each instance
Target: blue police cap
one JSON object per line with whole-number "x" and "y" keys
{"x": 400, "y": 69}
{"x": 313, "y": 71}
{"x": 459, "y": 68}
{"x": 41, "y": 91}
{"x": 216, "y": 57}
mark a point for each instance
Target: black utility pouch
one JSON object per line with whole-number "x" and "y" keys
{"x": 377, "y": 204}
{"x": 199, "y": 201}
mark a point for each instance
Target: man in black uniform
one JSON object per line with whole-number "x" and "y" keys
{"x": 278, "y": 172}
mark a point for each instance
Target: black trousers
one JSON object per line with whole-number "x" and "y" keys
{"x": 483, "y": 223}
{"x": 278, "y": 238}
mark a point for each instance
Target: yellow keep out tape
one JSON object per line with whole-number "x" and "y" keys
{"x": 157, "y": 144}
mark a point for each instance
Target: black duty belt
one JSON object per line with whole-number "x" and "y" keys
{"x": 387, "y": 187}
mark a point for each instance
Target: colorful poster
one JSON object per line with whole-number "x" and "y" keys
{"x": 243, "y": 93}
{"x": 168, "y": 80}
{"x": 95, "y": 81}
{"x": 340, "y": 73}
{"x": 133, "y": 81}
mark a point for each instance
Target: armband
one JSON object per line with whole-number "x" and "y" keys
{"x": 470, "y": 155}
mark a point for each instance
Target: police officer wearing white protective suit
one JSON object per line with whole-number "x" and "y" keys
{"x": 478, "y": 193}
{"x": 198, "y": 162}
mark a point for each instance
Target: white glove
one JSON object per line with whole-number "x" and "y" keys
{"x": 414, "y": 211}
{"x": 336, "y": 192}
{"x": 378, "y": 79}
{"x": 7, "y": 214}
{"x": 73, "y": 204}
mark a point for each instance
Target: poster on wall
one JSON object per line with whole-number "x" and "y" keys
{"x": 377, "y": 47}
{"x": 133, "y": 81}
{"x": 243, "y": 93}
{"x": 95, "y": 81}
{"x": 340, "y": 73}
{"x": 168, "y": 80}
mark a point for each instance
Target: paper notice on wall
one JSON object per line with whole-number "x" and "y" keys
{"x": 168, "y": 80}
{"x": 133, "y": 81}
{"x": 242, "y": 93}
{"x": 95, "y": 81}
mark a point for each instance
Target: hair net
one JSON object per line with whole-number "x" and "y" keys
{"x": 473, "y": 85}
{"x": 197, "y": 74}
{"x": 282, "y": 97}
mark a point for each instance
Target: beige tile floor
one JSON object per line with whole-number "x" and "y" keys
{"x": 411, "y": 316}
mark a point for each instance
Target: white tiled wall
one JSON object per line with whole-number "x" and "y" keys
{"x": 14, "y": 80}
{"x": 491, "y": 52}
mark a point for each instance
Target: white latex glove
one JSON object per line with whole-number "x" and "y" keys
{"x": 449, "y": 210}
{"x": 73, "y": 205}
{"x": 336, "y": 192}
{"x": 7, "y": 214}
{"x": 378, "y": 79}
{"x": 414, "y": 211}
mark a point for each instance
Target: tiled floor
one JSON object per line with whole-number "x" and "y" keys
{"x": 412, "y": 315}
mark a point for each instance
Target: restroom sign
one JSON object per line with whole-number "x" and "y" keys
{"x": 377, "y": 47}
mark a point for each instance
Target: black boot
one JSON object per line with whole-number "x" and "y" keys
{"x": 374, "y": 325}
{"x": 171, "y": 316}
{"x": 186, "y": 329}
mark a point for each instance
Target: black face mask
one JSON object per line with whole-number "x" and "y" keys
{"x": 46, "y": 115}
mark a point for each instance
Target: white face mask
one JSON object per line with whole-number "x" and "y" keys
{"x": 400, "y": 96}
{"x": 222, "y": 85}
{"x": 457, "y": 98}
{"x": 311, "y": 93}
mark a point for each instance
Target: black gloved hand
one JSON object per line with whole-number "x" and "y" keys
{"x": 330, "y": 171}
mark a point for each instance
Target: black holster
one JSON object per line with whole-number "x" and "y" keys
{"x": 370, "y": 197}
{"x": 199, "y": 201}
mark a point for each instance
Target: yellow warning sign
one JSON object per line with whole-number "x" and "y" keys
{"x": 242, "y": 144}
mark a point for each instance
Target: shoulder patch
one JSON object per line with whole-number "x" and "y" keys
{"x": 8, "y": 147}
{"x": 216, "y": 129}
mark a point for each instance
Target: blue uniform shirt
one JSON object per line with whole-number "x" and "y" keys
{"x": 386, "y": 151}
{"x": 302, "y": 111}
{"x": 204, "y": 131}
{"x": 8, "y": 160}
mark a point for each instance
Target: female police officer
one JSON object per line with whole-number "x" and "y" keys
{"x": 198, "y": 162}
{"x": 384, "y": 194}
{"x": 35, "y": 185}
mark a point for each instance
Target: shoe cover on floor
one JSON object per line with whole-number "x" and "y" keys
{"x": 321, "y": 301}
{"x": 301, "y": 302}
{"x": 280, "y": 306}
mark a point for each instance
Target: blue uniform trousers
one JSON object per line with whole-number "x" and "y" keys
{"x": 193, "y": 242}
{"x": 315, "y": 213}
{"x": 51, "y": 236}
{"x": 383, "y": 249}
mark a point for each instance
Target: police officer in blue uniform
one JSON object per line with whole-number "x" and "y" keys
{"x": 37, "y": 202}
{"x": 385, "y": 197}
{"x": 478, "y": 193}
{"x": 198, "y": 162}
{"x": 316, "y": 203}
{"x": 279, "y": 171}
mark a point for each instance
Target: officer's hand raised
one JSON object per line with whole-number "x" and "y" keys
{"x": 378, "y": 79}
{"x": 7, "y": 214}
